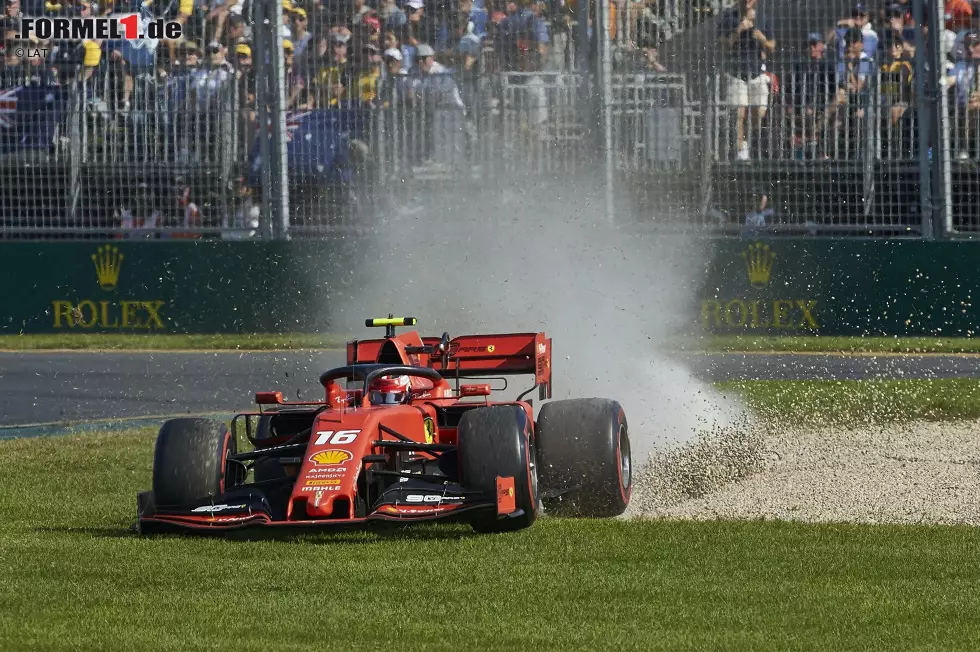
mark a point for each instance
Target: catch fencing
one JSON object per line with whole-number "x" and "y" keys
{"x": 185, "y": 153}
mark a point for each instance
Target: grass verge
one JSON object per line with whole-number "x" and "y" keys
{"x": 162, "y": 342}
{"x": 74, "y": 577}
{"x": 858, "y": 402}
{"x": 827, "y": 344}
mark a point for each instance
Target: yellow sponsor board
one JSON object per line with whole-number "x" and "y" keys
{"x": 102, "y": 313}
{"x": 752, "y": 313}
{"x": 322, "y": 483}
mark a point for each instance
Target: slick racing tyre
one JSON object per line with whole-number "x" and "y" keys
{"x": 584, "y": 459}
{"x": 189, "y": 462}
{"x": 498, "y": 441}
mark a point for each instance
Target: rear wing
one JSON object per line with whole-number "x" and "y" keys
{"x": 476, "y": 355}
{"x": 493, "y": 355}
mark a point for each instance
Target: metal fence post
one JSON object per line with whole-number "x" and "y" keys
{"x": 872, "y": 147}
{"x": 277, "y": 102}
{"x": 261, "y": 38}
{"x": 709, "y": 127}
{"x": 271, "y": 97}
{"x": 924, "y": 93}
{"x": 583, "y": 45}
{"x": 75, "y": 117}
{"x": 605, "y": 94}
{"x": 942, "y": 219}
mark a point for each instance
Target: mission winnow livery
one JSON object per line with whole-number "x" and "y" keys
{"x": 398, "y": 438}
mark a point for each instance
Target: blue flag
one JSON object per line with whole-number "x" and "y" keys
{"x": 317, "y": 144}
{"x": 140, "y": 54}
{"x": 29, "y": 116}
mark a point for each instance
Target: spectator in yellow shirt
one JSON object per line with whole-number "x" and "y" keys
{"x": 367, "y": 81}
{"x": 896, "y": 81}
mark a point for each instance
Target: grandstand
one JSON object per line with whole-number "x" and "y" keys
{"x": 835, "y": 132}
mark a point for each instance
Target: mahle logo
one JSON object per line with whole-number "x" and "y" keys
{"x": 108, "y": 314}
{"x": 759, "y": 261}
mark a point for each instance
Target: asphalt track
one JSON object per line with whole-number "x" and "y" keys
{"x": 60, "y": 387}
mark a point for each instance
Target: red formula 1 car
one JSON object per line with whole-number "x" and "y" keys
{"x": 397, "y": 438}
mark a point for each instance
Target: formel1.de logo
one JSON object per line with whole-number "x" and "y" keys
{"x": 117, "y": 27}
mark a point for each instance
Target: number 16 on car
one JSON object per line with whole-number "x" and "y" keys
{"x": 335, "y": 437}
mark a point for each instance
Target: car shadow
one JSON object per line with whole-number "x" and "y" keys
{"x": 353, "y": 536}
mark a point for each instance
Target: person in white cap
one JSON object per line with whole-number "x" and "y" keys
{"x": 393, "y": 63}
{"x": 394, "y": 83}
{"x": 433, "y": 90}
{"x": 427, "y": 60}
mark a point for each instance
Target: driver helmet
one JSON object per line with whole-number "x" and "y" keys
{"x": 389, "y": 390}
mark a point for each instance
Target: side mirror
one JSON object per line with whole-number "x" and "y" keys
{"x": 444, "y": 350}
{"x": 268, "y": 398}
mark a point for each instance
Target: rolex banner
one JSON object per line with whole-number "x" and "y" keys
{"x": 791, "y": 286}
{"x": 171, "y": 287}
{"x": 800, "y": 286}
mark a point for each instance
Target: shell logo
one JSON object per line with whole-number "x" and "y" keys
{"x": 331, "y": 457}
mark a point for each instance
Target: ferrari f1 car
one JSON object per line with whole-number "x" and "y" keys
{"x": 398, "y": 438}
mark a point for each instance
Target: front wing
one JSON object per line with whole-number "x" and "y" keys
{"x": 247, "y": 507}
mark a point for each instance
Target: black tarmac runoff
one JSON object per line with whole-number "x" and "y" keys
{"x": 59, "y": 387}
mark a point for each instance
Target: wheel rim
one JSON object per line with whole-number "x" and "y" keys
{"x": 625, "y": 463}
{"x": 534, "y": 470}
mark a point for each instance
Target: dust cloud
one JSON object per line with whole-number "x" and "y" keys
{"x": 482, "y": 260}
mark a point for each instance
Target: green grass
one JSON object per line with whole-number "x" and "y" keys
{"x": 97, "y": 341}
{"x": 711, "y": 344}
{"x": 829, "y": 344}
{"x": 74, "y": 577}
{"x": 853, "y": 402}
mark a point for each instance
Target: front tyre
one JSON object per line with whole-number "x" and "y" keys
{"x": 499, "y": 441}
{"x": 586, "y": 465}
{"x": 190, "y": 462}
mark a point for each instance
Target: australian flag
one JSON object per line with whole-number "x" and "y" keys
{"x": 29, "y": 117}
{"x": 317, "y": 144}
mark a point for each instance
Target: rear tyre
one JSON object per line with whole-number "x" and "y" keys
{"x": 499, "y": 441}
{"x": 584, "y": 458}
{"x": 190, "y": 462}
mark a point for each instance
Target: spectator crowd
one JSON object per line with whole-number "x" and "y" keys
{"x": 335, "y": 51}
{"x": 814, "y": 98}
{"x": 338, "y": 54}
{"x": 824, "y": 93}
